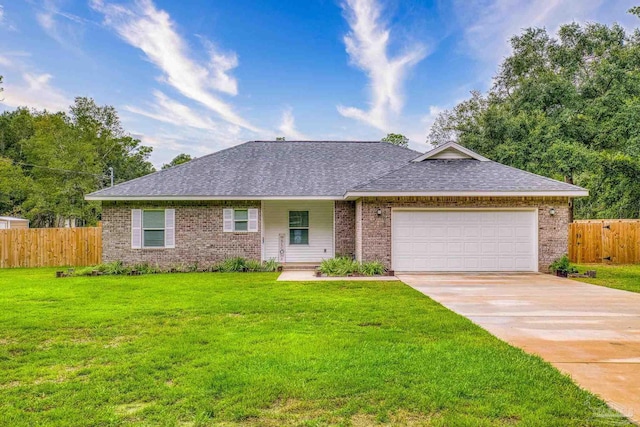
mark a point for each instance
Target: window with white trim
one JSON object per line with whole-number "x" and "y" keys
{"x": 298, "y": 227}
{"x": 153, "y": 228}
{"x": 240, "y": 220}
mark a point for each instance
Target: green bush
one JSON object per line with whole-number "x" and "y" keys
{"x": 270, "y": 265}
{"x": 372, "y": 268}
{"x": 253, "y": 265}
{"x": 563, "y": 264}
{"x": 146, "y": 268}
{"x": 231, "y": 265}
{"x": 343, "y": 266}
{"x": 339, "y": 266}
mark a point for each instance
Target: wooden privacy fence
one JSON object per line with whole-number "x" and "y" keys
{"x": 50, "y": 247}
{"x": 605, "y": 241}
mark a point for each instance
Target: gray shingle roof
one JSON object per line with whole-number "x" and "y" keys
{"x": 258, "y": 169}
{"x": 461, "y": 175}
{"x": 271, "y": 168}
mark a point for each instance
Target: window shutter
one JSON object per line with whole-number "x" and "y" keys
{"x": 253, "y": 220}
{"x": 136, "y": 228}
{"x": 227, "y": 220}
{"x": 169, "y": 228}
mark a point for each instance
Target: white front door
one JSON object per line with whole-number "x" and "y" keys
{"x": 464, "y": 240}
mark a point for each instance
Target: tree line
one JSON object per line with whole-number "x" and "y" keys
{"x": 50, "y": 161}
{"x": 564, "y": 106}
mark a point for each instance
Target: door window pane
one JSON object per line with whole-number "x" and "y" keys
{"x": 299, "y": 236}
{"x": 298, "y": 219}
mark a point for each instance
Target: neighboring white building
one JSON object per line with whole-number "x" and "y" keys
{"x": 7, "y": 222}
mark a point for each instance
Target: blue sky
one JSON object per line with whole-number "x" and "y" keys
{"x": 197, "y": 76}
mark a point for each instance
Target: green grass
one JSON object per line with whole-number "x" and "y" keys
{"x": 242, "y": 349}
{"x": 624, "y": 277}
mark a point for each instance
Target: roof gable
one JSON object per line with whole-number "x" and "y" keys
{"x": 449, "y": 151}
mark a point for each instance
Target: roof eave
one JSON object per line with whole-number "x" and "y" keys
{"x": 195, "y": 198}
{"x": 352, "y": 195}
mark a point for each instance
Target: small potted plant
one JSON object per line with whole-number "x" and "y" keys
{"x": 562, "y": 267}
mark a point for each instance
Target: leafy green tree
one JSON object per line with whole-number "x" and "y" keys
{"x": 50, "y": 161}
{"x": 178, "y": 160}
{"x": 567, "y": 107}
{"x": 396, "y": 139}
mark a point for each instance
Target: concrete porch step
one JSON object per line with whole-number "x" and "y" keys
{"x": 297, "y": 266}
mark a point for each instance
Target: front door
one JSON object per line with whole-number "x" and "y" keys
{"x": 298, "y": 230}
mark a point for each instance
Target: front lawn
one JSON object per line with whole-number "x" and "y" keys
{"x": 205, "y": 349}
{"x": 624, "y": 277}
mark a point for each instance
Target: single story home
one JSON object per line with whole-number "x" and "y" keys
{"x": 11, "y": 222}
{"x": 449, "y": 209}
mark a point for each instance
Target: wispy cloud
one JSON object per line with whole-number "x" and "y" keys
{"x": 170, "y": 111}
{"x": 288, "y": 126}
{"x": 65, "y": 28}
{"x": 489, "y": 24}
{"x": 153, "y": 31}
{"x": 367, "y": 44}
{"x": 34, "y": 90}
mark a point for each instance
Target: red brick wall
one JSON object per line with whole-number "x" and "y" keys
{"x": 198, "y": 228}
{"x": 375, "y": 240}
{"x": 345, "y": 228}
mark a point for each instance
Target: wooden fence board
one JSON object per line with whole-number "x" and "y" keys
{"x": 50, "y": 247}
{"x": 605, "y": 241}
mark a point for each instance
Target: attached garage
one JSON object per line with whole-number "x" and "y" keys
{"x": 458, "y": 240}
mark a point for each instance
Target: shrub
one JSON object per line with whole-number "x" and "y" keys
{"x": 372, "y": 268}
{"x": 270, "y": 265}
{"x": 563, "y": 265}
{"x": 343, "y": 266}
{"x": 340, "y": 266}
{"x": 253, "y": 265}
{"x": 230, "y": 265}
{"x": 146, "y": 268}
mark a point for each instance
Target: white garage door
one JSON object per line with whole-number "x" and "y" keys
{"x": 464, "y": 240}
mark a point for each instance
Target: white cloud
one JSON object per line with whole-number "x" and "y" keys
{"x": 168, "y": 143}
{"x": 488, "y": 25}
{"x": 367, "y": 44}
{"x": 288, "y": 126}
{"x": 5, "y": 23}
{"x": 170, "y": 111}
{"x": 66, "y": 31}
{"x": 34, "y": 91}
{"x": 152, "y": 30}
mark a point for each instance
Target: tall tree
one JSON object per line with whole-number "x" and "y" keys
{"x": 396, "y": 139}
{"x": 178, "y": 160}
{"x": 567, "y": 107}
{"x": 50, "y": 161}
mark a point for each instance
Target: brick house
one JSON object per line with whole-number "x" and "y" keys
{"x": 449, "y": 209}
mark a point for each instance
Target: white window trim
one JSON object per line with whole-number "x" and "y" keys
{"x": 229, "y": 220}
{"x": 308, "y": 228}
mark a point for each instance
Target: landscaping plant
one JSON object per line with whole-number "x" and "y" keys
{"x": 562, "y": 266}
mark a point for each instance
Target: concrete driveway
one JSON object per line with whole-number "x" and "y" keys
{"x": 590, "y": 332}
